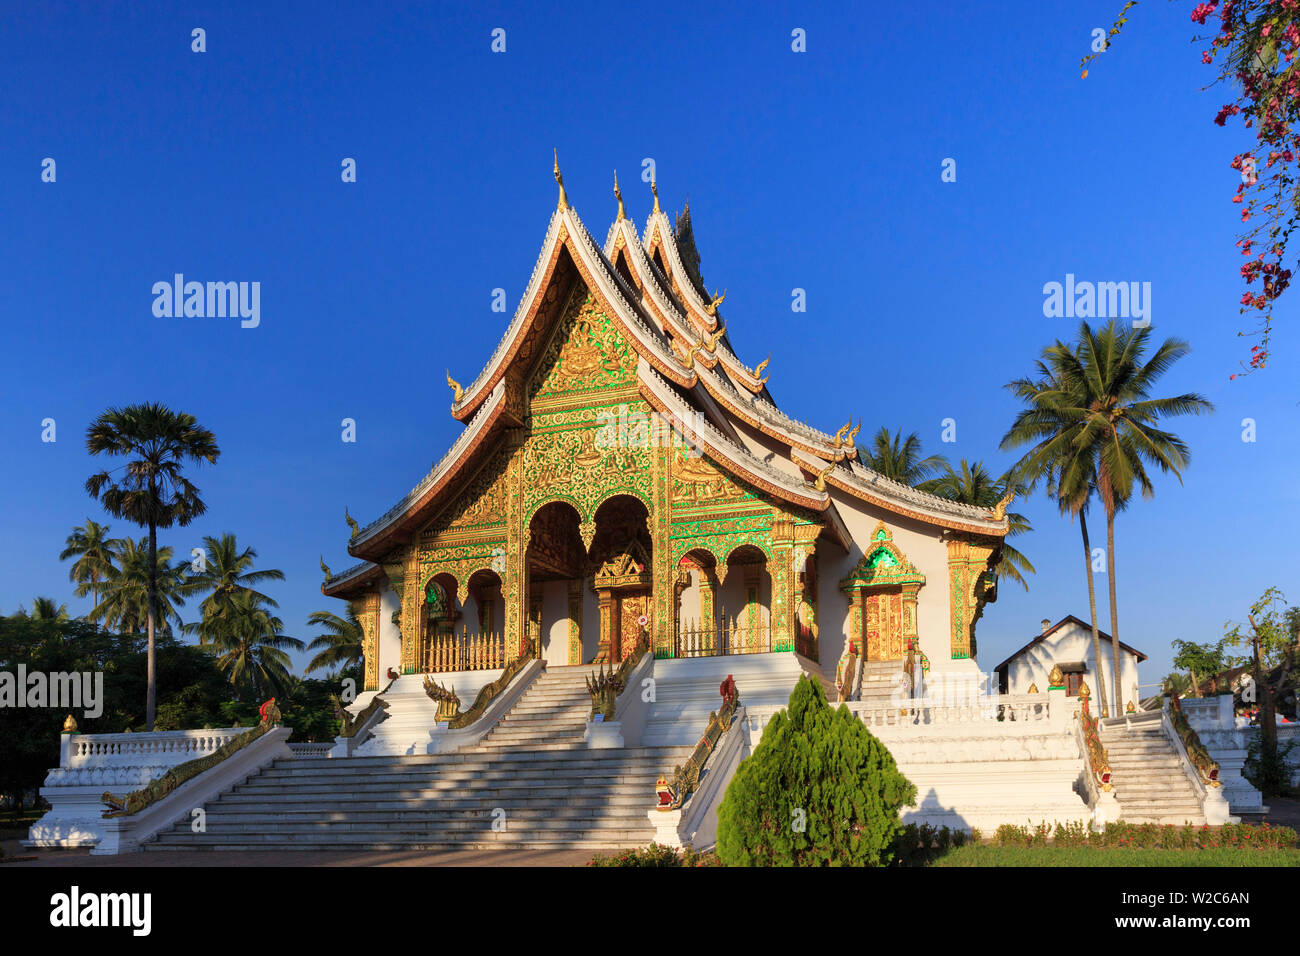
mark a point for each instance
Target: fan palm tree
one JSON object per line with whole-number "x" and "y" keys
{"x": 900, "y": 458}
{"x": 152, "y": 491}
{"x": 249, "y": 648}
{"x": 1097, "y": 429}
{"x": 95, "y": 552}
{"x": 124, "y": 606}
{"x": 228, "y": 571}
{"x": 340, "y": 645}
{"x": 973, "y": 485}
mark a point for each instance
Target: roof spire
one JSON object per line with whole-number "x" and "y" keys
{"x": 622, "y": 214}
{"x": 559, "y": 180}
{"x": 654, "y": 189}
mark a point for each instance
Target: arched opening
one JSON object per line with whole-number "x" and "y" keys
{"x": 744, "y": 603}
{"x": 696, "y": 593}
{"x": 557, "y": 567}
{"x": 438, "y": 615}
{"x": 621, "y": 554}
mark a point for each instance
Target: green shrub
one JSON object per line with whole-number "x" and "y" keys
{"x": 655, "y": 855}
{"x": 819, "y": 790}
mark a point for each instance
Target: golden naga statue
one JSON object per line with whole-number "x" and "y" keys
{"x": 654, "y": 190}
{"x": 1000, "y": 509}
{"x": 325, "y": 568}
{"x": 693, "y": 351}
{"x": 758, "y": 370}
{"x": 712, "y": 307}
{"x": 820, "y": 482}
{"x": 618, "y": 194}
{"x": 716, "y": 337}
{"x": 559, "y": 181}
{"x": 352, "y": 523}
{"x": 839, "y": 435}
{"x": 457, "y": 392}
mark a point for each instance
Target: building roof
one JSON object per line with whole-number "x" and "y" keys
{"x": 1069, "y": 619}
{"x": 686, "y": 367}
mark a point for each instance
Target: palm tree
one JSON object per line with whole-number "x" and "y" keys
{"x": 152, "y": 491}
{"x": 229, "y": 571}
{"x": 900, "y": 458}
{"x": 340, "y": 645}
{"x": 973, "y": 485}
{"x": 44, "y": 609}
{"x": 1108, "y": 434}
{"x": 250, "y": 649}
{"x": 1048, "y": 422}
{"x": 124, "y": 606}
{"x": 95, "y": 552}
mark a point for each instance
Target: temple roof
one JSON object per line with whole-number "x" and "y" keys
{"x": 684, "y": 355}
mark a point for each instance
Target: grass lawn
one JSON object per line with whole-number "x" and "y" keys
{"x": 1090, "y": 856}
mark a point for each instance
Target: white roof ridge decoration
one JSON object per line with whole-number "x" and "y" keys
{"x": 670, "y": 243}
{"x": 875, "y": 481}
{"x": 774, "y": 416}
{"x": 351, "y": 572}
{"x": 662, "y": 296}
{"x": 494, "y": 401}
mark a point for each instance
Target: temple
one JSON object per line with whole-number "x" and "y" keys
{"x": 624, "y": 476}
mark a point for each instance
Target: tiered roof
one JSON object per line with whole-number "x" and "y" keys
{"x": 686, "y": 369}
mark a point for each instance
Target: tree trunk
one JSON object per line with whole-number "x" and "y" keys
{"x": 1092, "y": 615}
{"x": 1114, "y": 609}
{"x": 151, "y": 692}
{"x": 1267, "y": 722}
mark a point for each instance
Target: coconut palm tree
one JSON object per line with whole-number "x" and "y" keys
{"x": 1097, "y": 429}
{"x": 228, "y": 571}
{"x": 152, "y": 490}
{"x": 340, "y": 645}
{"x": 45, "y": 609}
{"x": 124, "y": 606}
{"x": 971, "y": 484}
{"x": 900, "y": 458}
{"x": 95, "y": 552}
{"x": 249, "y": 648}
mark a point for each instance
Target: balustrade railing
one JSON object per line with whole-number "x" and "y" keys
{"x": 164, "y": 747}
{"x": 734, "y": 636}
{"x": 464, "y": 652}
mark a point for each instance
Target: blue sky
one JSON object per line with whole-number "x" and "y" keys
{"x": 818, "y": 170}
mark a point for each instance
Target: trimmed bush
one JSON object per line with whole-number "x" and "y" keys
{"x": 655, "y": 855}
{"x": 819, "y": 790}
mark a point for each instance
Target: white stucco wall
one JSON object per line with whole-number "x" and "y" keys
{"x": 555, "y": 623}
{"x": 1071, "y": 643}
{"x": 390, "y": 635}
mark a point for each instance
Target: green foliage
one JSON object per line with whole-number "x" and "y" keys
{"x": 820, "y": 768}
{"x": 655, "y": 855}
{"x": 1268, "y": 770}
{"x": 1149, "y": 836}
{"x": 1201, "y": 661}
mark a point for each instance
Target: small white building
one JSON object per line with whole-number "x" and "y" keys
{"x": 1068, "y": 645}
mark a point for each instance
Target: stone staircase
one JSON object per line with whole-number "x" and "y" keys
{"x": 1147, "y": 773}
{"x": 531, "y": 782}
{"x": 880, "y": 681}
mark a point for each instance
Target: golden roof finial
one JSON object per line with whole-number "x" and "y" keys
{"x": 559, "y": 181}
{"x": 853, "y": 433}
{"x": 1055, "y": 678}
{"x": 820, "y": 483}
{"x": 691, "y": 353}
{"x": 654, "y": 189}
{"x": 618, "y": 194}
{"x": 1000, "y": 509}
{"x": 457, "y": 392}
{"x": 69, "y": 725}
{"x": 758, "y": 369}
{"x": 716, "y": 336}
{"x": 712, "y": 307}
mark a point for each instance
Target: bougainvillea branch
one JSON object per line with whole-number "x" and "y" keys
{"x": 1255, "y": 49}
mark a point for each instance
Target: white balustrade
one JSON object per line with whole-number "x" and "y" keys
{"x": 160, "y": 748}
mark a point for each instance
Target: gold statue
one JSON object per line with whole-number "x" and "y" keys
{"x": 716, "y": 337}
{"x": 69, "y": 725}
{"x": 693, "y": 351}
{"x": 820, "y": 483}
{"x": 1055, "y": 678}
{"x": 758, "y": 369}
{"x": 654, "y": 189}
{"x": 618, "y": 194}
{"x": 1000, "y": 509}
{"x": 712, "y": 307}
{"x": 325, "y": 568}
{"x": 839, "y": 435}
{"x": 559, "y": 181}
{"x": 352, "y": 522}
{"x": 848, "y": 441}
{"x": 457, "y": 392}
